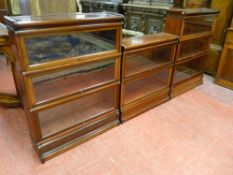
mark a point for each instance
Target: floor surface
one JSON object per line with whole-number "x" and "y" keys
{"x": 189, "y": 135}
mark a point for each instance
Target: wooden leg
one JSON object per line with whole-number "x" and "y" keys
{"x": 8, "y": 100}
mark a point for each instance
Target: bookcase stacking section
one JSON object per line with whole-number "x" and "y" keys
{"x": 195, "y": 30}
{"x": 68, "y": 71}
{"x": 147, "y": 68}
{"x": 224, "y": 75}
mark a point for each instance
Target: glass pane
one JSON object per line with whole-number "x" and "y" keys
{"x": 198, "y": 25}
{"x": 140, "y": 2}
{"x": 146, "y": 60}
{"x": 18, "y": 20}
{"x": 140, "y": 87}
{"x": 50, "y": 48}
{"x": 135, "y": 22}
{"x": 155, "y": 24}
{"x": 193, "y": 46}
{"x": 74, "y": 112}
{"x": 162, "y": 2}
{"x": 77, "y": 78}
{"x": 189, "y": 69}
{"x": 227, "y": 71}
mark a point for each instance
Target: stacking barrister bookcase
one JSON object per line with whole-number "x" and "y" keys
{"x": 68, "y": 71}
{"x": 195, "y": 29}
{"x": 146, "y": 72}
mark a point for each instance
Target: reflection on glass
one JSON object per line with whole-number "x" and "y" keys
{"x": 194, "y": 46}
{"x": 165, "y": 3}
{"x": 155, "y": 25}
{"x": 61, "y": 16}
{"x": 75, "y": 112}
{"x": 189, "y": 69}
{"x": 198, "y": 25}
{"x": 50, "y": 48}
{"x": 146, "y": 60}
{"x": 140, "y": 1}
{"x": 144, "y": 86}
{"x": 77, "y": 78}
{"x": 227, "y": 72}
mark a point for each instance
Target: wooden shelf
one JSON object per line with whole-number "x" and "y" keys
{"x": 188, "y": 69}
{"x": 79, "y": 78}
{"x": 198, "y": 25}
{"x": 184, "y": 73}
{"x": 192, "y": 47}
{"x": 64, "y": 116}
{"x": 144, "y": 86}
{"x": 140, "y": 64}
{"x": 142, "y": 61}
{"x": 188, "y": 84}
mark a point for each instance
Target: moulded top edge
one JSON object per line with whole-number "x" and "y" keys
{"x": 158, "y": 6}
{"x": 192, "y": 11}
{"x": 21, "y": 22}
{"x": 149, "y": 40}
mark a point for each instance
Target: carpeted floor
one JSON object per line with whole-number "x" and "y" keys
{"x": 189, "y": 135}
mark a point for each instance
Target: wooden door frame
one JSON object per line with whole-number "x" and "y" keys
{"x": 8, "y": 100}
